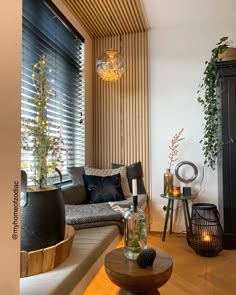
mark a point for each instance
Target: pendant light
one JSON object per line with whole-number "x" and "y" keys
{"x": 110, "y": 66}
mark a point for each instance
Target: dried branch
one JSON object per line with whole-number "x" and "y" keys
{"x": 173, "y": 148}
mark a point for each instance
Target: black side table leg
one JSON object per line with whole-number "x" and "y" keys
{"x": 171, "y": 215}
{"x": 166, "y": 220}
{"x": 185, "y": 209}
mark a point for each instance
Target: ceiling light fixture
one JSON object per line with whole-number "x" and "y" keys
{"x": 110, "y": 66}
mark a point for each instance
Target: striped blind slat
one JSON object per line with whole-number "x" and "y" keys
{"x": 46, "y": 32}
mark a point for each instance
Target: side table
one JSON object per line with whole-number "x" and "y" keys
{"x": 128, "y": 275}
{"x": 170, "y": 208}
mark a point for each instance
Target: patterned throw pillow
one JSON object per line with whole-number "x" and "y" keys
{"x": 107, "y": 172}
{"x": 103, "y": 188}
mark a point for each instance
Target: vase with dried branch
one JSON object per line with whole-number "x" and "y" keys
{"x": 168, "y": 176}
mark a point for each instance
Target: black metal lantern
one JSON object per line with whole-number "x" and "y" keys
{"x": 205, "y": 234}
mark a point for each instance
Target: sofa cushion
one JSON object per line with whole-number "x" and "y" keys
{"x": 74, "y": 194}
{"x": 134, "y": 171}
{"x": 108, "y": 172}
{"x": 76, "y": 174}
{"x": 86, "y": 258}
{"x": 103, "y": 188}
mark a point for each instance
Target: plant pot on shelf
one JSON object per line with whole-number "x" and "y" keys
{"x": 228, "y": 54}
{"x": 42, "y": 219}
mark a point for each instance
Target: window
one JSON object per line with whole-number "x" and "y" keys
{"x": 47, "y": 32}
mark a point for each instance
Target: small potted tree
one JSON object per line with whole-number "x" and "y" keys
{"x": 42, "y": 206}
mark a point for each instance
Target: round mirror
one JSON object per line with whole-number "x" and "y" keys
{"x": 189, "y": 179}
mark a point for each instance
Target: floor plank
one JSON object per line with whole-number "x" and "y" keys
{"x": 192, "y": 274}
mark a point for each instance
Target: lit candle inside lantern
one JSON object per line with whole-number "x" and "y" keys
{"x": 206, "y": 237}
{"x": 134, "y": 187}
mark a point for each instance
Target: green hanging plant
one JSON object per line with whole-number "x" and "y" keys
{"x": 208, "y": 99}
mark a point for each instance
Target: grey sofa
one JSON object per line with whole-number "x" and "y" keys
{"x": 89, "y": 247}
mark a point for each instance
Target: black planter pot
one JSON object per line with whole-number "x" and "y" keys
{"x": 42, "y": 219}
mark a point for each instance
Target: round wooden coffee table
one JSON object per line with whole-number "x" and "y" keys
{"x": 128, "y": 275}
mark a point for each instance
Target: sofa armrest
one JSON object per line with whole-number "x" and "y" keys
{"x": 74, "y": 194}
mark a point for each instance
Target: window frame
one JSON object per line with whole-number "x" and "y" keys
{"x": 52, "y": 7}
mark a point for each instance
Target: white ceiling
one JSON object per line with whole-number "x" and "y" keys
{"x": 161, "y": 13}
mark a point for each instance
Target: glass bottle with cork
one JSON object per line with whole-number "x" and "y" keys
{"x": 135, "y": 232}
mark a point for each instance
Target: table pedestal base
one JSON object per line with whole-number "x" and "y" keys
{"x": 125, "y": 292}
{"x": 128, "y": 275}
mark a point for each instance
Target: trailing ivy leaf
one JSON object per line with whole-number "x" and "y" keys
{"x": 210, "y": 142}
{"x": 223, "y": 39}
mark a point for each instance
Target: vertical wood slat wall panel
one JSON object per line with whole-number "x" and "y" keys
{"x": 107, "y": 114}
{"x": 121, "y": 107}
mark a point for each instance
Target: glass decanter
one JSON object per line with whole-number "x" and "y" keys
{"x": 135, "y": 233}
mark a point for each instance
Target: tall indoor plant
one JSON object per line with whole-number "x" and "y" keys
{"x": 42, "y": 211}
{"x": 207, "y": 97}
{"x": 46, "y": 149}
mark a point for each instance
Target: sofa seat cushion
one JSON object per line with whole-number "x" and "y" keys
{"x": 87, "y": 247}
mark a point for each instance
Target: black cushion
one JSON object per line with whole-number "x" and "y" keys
{"x": 134, "y": 171}
{"x": 103, "y": 188}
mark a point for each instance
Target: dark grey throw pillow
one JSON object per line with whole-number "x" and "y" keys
{"x": 134, "y": 171}
{"x": 102, "y": 189}
{"x": 76, "y": 174}
{"x": 74, "y": 194}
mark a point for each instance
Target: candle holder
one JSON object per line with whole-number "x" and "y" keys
{"x": 176, "y": 191}
{"x": 205, "y": 234}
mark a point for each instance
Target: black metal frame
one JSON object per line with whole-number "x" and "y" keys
{"x": 205, "y": 234}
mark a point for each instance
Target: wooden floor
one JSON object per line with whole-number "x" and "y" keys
{"x": 192, "y": 274}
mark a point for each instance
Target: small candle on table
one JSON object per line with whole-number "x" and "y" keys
{"x": 176, "y": 191}
{"x": 134, "y": 187}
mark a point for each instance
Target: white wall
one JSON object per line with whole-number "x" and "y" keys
{"x": 10, "y": 102}
{"x": 177, "y": 56}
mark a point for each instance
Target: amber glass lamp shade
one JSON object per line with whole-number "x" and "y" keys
{"x": 110, "y": 66}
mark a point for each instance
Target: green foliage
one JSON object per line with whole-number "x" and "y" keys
{"x": 46, "y": 149}
{"x": 208, "y": 99}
